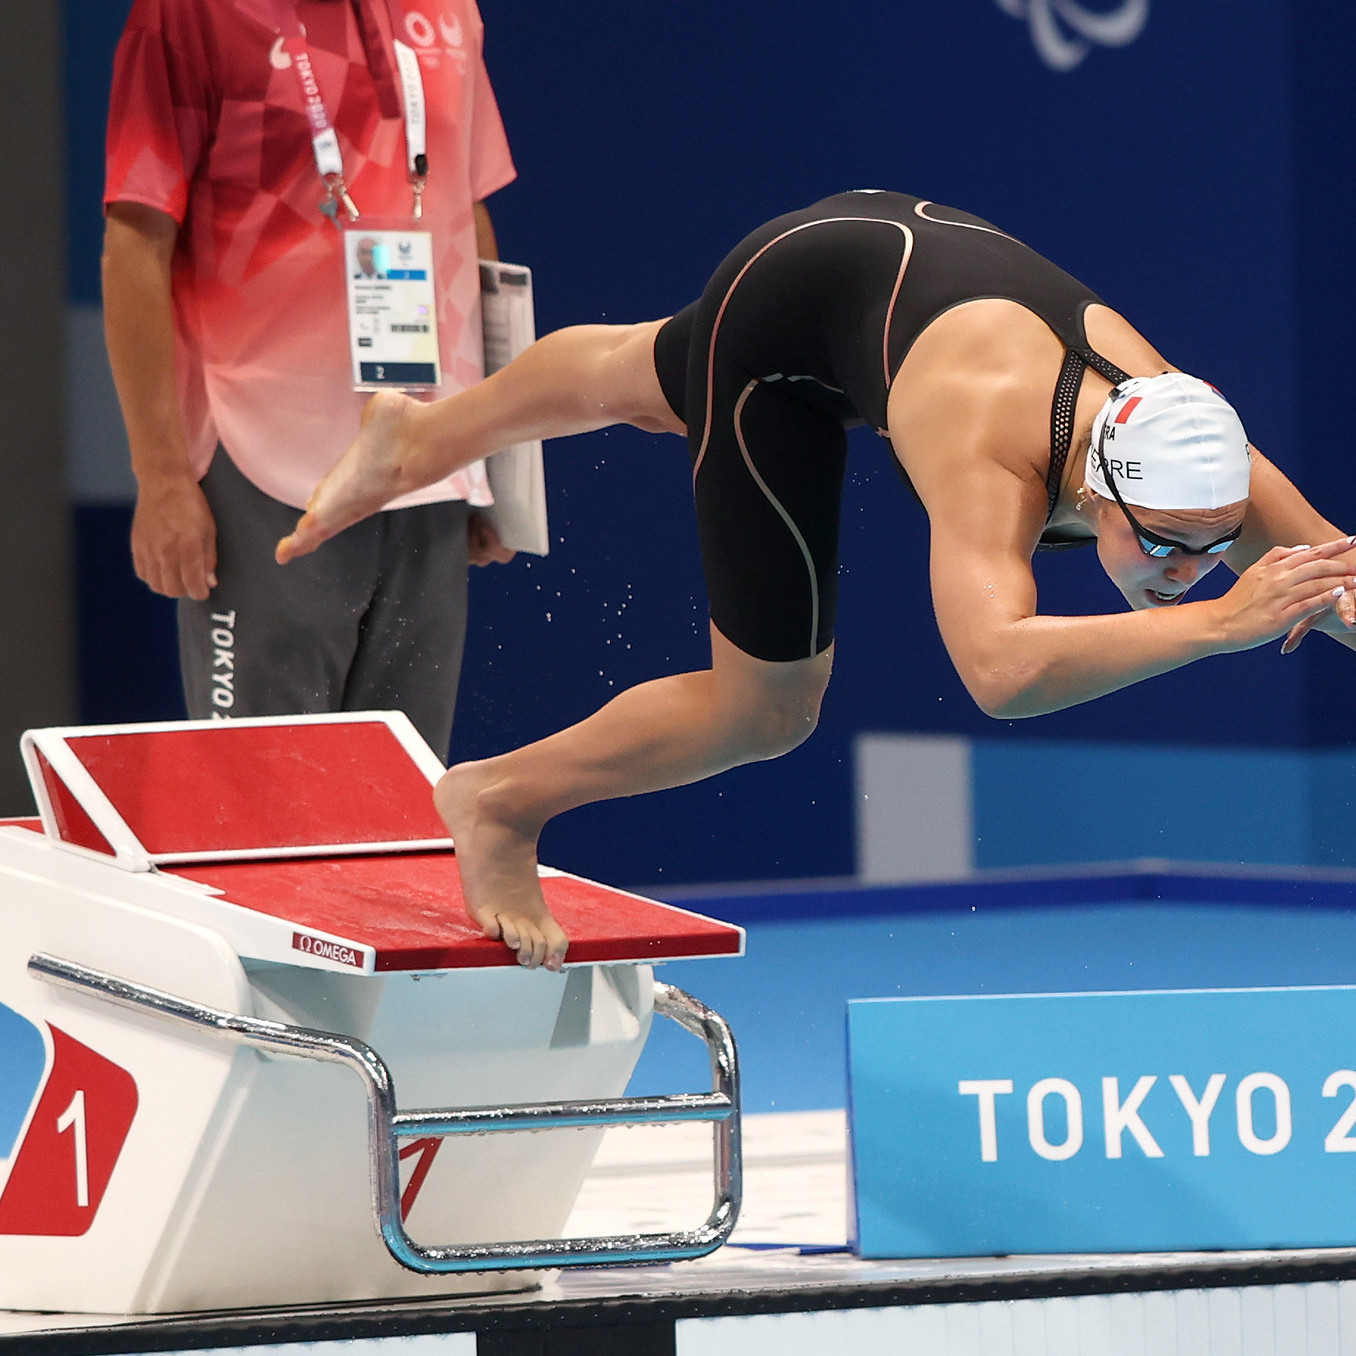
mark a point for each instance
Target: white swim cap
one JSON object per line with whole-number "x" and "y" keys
{"x": 1170, "y": 442}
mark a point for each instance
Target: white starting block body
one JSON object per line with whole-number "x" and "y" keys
{"x": 288, "y": 872}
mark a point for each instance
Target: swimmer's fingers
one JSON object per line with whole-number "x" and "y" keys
{"x": 1320, "y": 609}
{"x": 1343, "y": 608}
{"x": 1284, "y": 594}
{"x": 1302, "y": 571}
{"x": 1297, "y": 634}
{"x": 1339, "y": 551}
{"x": 1295, "y": 557}
{"x": 1342, "y": 602}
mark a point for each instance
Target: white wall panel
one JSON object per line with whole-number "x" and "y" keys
{"x": 914, "y": 815}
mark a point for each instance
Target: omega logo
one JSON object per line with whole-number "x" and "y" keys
{"x": 311, "y": 945}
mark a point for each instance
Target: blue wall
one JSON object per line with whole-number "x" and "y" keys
{"x": 1197, "y": 178}
{"x": 810, "y": 951}
{"x": 1280, "y": 807}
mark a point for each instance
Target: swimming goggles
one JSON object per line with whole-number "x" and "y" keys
{"x": 1150, "y": 542}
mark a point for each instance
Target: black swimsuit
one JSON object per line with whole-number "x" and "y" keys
{"x": 798, "y": 335}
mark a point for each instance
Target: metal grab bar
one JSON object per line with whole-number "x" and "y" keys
{"x": 386, "y": 1124}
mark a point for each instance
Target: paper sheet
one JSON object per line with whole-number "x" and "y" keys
{"x": 517, "y": 477}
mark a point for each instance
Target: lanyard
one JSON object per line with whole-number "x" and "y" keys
{"x": 416, "y": 121}
{"x": 329, "y": 159}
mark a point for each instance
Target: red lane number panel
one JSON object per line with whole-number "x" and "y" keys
{"x": 67, "y": 1156}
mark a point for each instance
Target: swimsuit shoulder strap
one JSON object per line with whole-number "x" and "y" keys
{"x": 1076, "y": 362}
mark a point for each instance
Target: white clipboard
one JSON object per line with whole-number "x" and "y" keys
{"x": 517, "y": 476}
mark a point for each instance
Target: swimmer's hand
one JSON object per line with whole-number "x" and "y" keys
{"x": 365, "y": 479}
{"x": 1339, "y": 620}
{"x": 1285, "y": 593}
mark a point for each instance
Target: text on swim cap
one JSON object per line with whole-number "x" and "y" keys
{"x": 1126, "y": 470}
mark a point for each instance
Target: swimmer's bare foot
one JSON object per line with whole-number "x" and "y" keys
{"x": 498, "y": 864}
{"x": 373, "y": 471}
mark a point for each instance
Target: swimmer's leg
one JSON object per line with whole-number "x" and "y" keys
{"x": 573, "y": 381}
{"x": 660, "y": 734}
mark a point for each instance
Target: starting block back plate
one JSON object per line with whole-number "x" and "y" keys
{"x": 220, "y": 790}
{"x": 404, "y": 912}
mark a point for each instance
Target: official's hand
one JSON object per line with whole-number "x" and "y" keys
{"x": 174, "y": 539}
{"x": 483, "y": 544}
{"x": 1286, "y": 592}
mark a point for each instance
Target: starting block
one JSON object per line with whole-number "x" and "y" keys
{"x": 209, "y": 931}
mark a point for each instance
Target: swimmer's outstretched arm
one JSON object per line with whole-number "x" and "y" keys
{"x": 573, "y": 381}
{"x": 1016, "y": 663}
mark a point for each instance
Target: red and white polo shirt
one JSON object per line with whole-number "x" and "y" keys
{"x": 206, "y": 124}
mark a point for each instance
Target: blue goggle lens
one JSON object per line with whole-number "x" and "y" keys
{"x": 1161, "y": 549}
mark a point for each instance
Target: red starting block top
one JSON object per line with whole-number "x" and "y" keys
{"x": 404, "y": 911}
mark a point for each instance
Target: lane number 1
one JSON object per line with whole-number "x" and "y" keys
{"x": 74, "y": 1117}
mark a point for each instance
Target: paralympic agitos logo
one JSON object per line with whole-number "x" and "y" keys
{"x": 1065, "y": 31}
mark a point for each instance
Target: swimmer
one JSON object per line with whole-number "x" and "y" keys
{"x": 1022, "y": 410}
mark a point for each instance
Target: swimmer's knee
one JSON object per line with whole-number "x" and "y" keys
{"x": 787, "y": 730}
{"x": 770, "y": 708}
{"x": 779, "y": 723}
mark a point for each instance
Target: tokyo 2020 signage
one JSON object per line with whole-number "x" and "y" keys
{"x": 1157, "y": 1121}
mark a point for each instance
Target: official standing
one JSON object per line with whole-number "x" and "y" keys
{"x": 261, "y": 154}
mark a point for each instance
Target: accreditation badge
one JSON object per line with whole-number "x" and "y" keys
{"x": 392, "y": 312}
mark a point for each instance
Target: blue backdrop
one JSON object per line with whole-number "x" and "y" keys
{"x": 1197, "y": 177}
